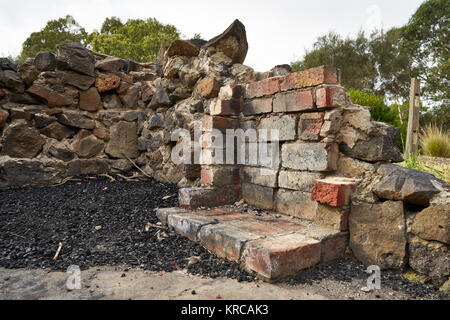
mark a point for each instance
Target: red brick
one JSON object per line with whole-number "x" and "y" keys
{"x": 188, "y": 225}
{"x": 330, "y": 97}
{"x": 220, "y": 176}
{"x": 335, "y": 192}
{"x": 334, "y": 248}
{"x": 281, "y": 256}
{"x": 258, "y": 106}
{"x": 293, "y": 101}
{"x": 262, "y": 88}
{"x": 232, "y": 107}
{"x": 310, "y": 126}
{"x": 220, "y": 123}
{"x": 310, "y": 78}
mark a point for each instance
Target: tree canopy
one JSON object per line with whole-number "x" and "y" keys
{"x": 55, "y": 33}
{"x": 136, "y": 39}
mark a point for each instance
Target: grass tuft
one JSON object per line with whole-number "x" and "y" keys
{"x": 435, "y": 142}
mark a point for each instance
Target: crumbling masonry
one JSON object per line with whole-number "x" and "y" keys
{"x": 78, "y": 112}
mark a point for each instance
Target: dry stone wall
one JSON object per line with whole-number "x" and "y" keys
{"x": 77, "y": 112}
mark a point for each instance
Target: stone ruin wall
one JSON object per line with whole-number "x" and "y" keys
{"x": 78, "y": 112}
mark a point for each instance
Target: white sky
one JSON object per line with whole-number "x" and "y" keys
{"x": 278, "y": 31}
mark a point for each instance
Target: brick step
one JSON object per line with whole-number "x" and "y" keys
{"x": 272, "y": 247}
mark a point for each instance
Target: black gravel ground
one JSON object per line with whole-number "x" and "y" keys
{"x": 33, "y": 221}
{"x": 348, "y": 269}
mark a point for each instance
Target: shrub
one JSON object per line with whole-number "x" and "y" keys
{"x": 435, "y": 141}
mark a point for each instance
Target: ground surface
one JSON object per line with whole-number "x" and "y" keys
{"x": 100, "y": 223}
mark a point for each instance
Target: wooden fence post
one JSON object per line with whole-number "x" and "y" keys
{"x": 412, "y": 138}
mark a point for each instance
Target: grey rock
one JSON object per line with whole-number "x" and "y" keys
{"x": 110, "y": 64}
{"x": 12, "y": 80}
{"x": 45, "y": 61}
{"x": 412, "y": 186}
{"x": 8, "y": 64}
{"x": 76, "y": 120}
{"x": 75, "y": 57}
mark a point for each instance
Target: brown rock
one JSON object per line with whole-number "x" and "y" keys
{"x": 232, "y": 42}
{"x": 208, "y": 88}
{"x": 378, "y": 234}
{"x": 11, "y": 80}
{"x": 57, "y": 131}
{"x": 22, "y": 141}
{"x": 182, "y": 48}
{"x": 88, "y": 147}
{"x": 87, "y": 166}
{"x": 124, "y": 141}
{"x": 80, "y": 81}
{"x": 101, "y": 133}
{"x": 76, "y": 120}
{"x": 110, "y": 64}
{"x": 106, "y": 82}
{"x": 63, "y": 154}
{"x": 90, "y": 100}
{"x": 28, "y": 72}
{"x": 53, "y": 98}
{"x": 433, "y": 223}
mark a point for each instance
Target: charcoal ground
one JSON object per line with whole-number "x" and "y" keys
{"x": 100, "y": 223}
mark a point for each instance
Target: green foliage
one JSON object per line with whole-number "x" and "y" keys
{"x": 352, "y": 56}
{"x": 137, "y": 39}
{"x": 435, "y": 142}
{"x": 414, "y": 162}
{"x": 56, "y": 32}
{"x": 392, "y": 114}
{"x": 427, "y": 38}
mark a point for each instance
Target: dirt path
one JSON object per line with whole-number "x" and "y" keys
{"x": 109, "y": 283}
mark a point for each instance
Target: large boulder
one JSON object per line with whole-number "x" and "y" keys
{"x": 28, "y": 72}
{"x": 232, "y": 42}
{"x": 75, "y": 79}
{"x": 21, "y": 141}
{"x": 378, "y": 234}
{"x": 433, "y": 223}
{"x": 8, "y": 64}
{"x": 124, "y": 141}
{"x": 110, "y": 64}
{"x": 412, "y": 186}
{"x": 51, "y": 97}
{"x": 75, "y": 57}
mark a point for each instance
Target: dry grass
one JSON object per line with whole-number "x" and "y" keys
{"x": 435, "y": 141}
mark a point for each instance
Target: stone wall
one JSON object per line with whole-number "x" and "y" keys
{"x": 78, "y": 112}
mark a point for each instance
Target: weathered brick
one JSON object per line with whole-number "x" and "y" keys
{"x": 310, "y": 156}
{"x": 331, "y": 97}
{"x": 202, "y": 197}
{"x": 258, "y": 196}
{"x": 334, "y": 248}
{"x": 232, "y": 107}
{"x": 163, "y": 213}
{"x": 293, "y": 101}
{"x": 188, "y": 225}
{"x": 334, "y": 218}
{"x": 311, "y": 77}
{"x": 231, "y": 91}
{"x": 258, "y": 106}
{"x": 220, "y": 123}
{"x": 281, "y": 256}
{"x": 220, "y": 176}
{"x": 296, "y": 204}
{"x": 224, "y": 240}
{"x": 310, "y": 126}
{"x": 262, "y": 88}
{"x": 333, "y": 191}
{"x": 284, "y": 124}
{"x": 296, "y": 180}
{"x": 260, "y": 176}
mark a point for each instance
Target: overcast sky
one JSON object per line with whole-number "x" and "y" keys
{"x": 278, "y": 31}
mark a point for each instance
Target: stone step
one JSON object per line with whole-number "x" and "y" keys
{"x": 271, "y": 246}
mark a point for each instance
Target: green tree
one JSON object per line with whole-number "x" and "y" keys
{"x": 137, "y": 39}
{"x": 427, "y": 38}
{"x": 352, "y": 56}
{"x": 56, "y": 32}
